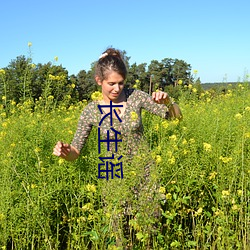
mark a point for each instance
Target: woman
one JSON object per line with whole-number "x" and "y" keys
{"x": 110, "y": 74}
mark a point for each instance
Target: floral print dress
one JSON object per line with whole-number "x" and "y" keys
{"x": 129, "y": 127}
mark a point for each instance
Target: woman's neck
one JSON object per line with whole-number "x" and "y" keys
{"x": 120, "y": 99}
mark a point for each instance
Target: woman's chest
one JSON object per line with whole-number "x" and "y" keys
{"x": 126, "y": 121}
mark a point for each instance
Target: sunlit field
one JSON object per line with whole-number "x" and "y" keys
{"x": 201, "y": 168}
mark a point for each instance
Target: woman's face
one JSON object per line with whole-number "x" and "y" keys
{"x": 112, "y": 86}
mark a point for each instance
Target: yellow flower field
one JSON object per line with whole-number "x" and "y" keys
{"x": 201, "y": 167}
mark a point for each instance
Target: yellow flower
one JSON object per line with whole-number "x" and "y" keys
{"x": 218, "y": 212}
{"x": 87, "y": 207}
{"x": 5, "y": 124}
{"x": 239, "y": 192}
{"x": 156, "y": 127}
{"x": 81, "y": 219}
{"x": 2, "y": 217}
{"x": 168, "y": 196}
{"x": 175, "y": 122}
{"x": 108, "y": 215}
{"x": 173, "y": 137}
{"x": 9, "y": 154}
{"x": 207, "y": 147}
{"x": 235, "y": 207}
{"x": 171, "y": 160}
{"x": 246, "y": 108}
{"x": 90, "y": 217}
{"x": 50, "y": 97}
{"x": 56, "y": 58}
{"x": 164, "y": 124}
{"x": 238, "y": 116}
{"x": 191, "y": 140}
{"x": 184, "y": 141}
{"x": 194, "y": 90}
{"x": 2, "y": 72}
{"x": 29, "y": 44}
{"x": 247, "y": 135}
{"x": 190, "y": 86}
{"x": 225, "y": 193}
{"x": 225, "y": 159}
{"x": 162, "y": 190}
{"x": 198, "y": 212}
{"x": 133, "y": 173}
{"x": 180, "y": 82}
{"x": 133, "y": 116}
{"x": 137, "y": 81}
{"x": 73, "y": 85}
{"x": 195, "y": 71}
{"x": 212, "y": 175}
{"x": 96, "y": 96}
{"x": 51, "y": 77}
{"x": 158, "y": 159}
{"x": 91, "y": 188}
{"x": 3, "y": 97}
{"x": 37, "y": 149}
{"x": 61, "y": 161}
{"x": 135, "y": 86}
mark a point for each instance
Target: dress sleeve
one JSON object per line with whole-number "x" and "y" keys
{"x": 151, "y": 106}
{"x": 84, "y": 127}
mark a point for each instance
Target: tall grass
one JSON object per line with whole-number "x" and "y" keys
{"x": 201, "y": 168}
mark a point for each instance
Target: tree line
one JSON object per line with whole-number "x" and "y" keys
{"x": 22, "y": 79}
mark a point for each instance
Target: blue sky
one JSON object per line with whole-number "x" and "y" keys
{"x": 212, "y": 36}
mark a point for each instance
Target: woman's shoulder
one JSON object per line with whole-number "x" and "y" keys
{"x": 90, "y": 107}
{"x": 136, "y": 93}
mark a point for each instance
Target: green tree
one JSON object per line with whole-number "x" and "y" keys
{"x": 18, "y": 79}
{"x": 138, "y": 73}
{"x": 181, "y": 71}
{"x": 86, "y": 84}
{"x": 168, "y": 72}
{"x": 52, "y": 80}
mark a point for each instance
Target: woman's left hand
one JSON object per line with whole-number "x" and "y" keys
{"x": 161, "y": 97}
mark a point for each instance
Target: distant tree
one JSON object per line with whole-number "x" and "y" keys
{"x": 18, "y": 79}
{"x": 50, "y": 79}
{"x": 168, "y": 72}
{"x": 86, "y": 84}
{"x": 155, "y": 69}
{"x": 181, "y": 71}
{"x": 137, "y": 75}
{"x": 26, "y": 80}
{"x": 74, "y": 85}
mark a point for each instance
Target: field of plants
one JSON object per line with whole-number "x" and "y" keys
{"x": 201, "y": 167}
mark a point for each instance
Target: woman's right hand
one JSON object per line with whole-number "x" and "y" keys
{"x": 62, "y": 149}
{"x": 66, "y": 151}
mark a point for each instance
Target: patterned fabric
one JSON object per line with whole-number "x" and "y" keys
{"x": 131, "y": 127}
